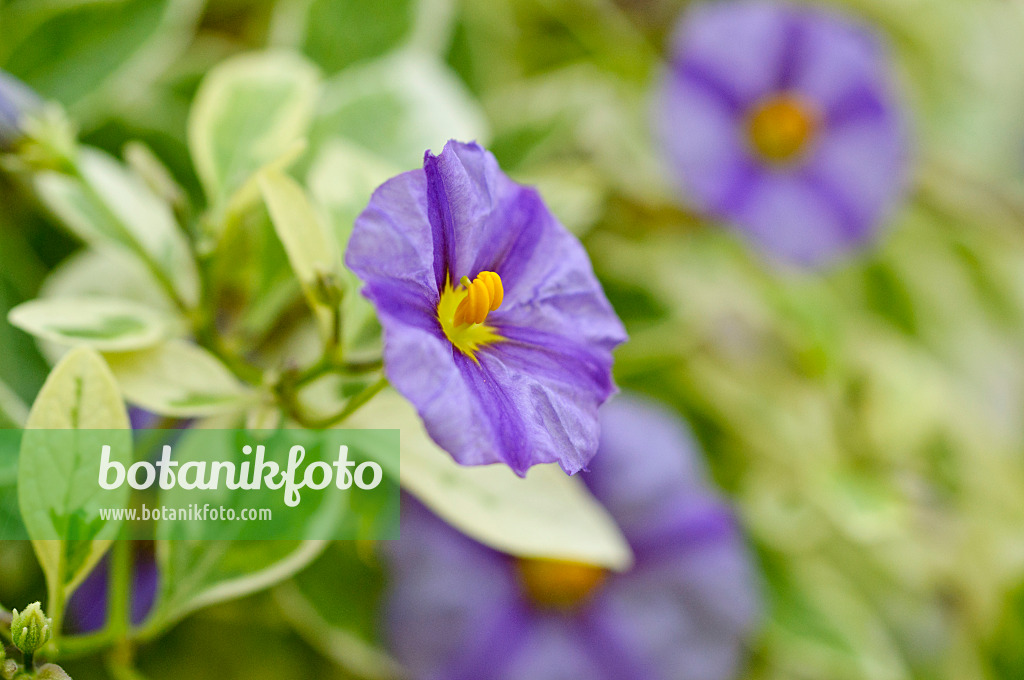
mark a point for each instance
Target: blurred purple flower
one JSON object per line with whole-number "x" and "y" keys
{"x": 460, "y": 611}
{"x": 512, "y": 366}
{"x": 16, "y": 99}
{"x": 782, "y": 119}
{"x": 87, "y": 610}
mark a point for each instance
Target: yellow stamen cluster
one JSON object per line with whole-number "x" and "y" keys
{"x": 558, "y": 584}
{"x": 462, "y": 312}
{"x": 782, "y": 127}
{"x": 484, "y": 294}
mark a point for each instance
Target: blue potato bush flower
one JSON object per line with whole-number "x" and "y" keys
{"x": 459, "y": 610}
{"x": 16, "y": 100}
{"x": 782, "y": 120}
{"x": 495, "y": 327}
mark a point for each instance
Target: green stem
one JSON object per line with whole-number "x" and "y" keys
{"x": 30, "y": 661}
{"x": 351, "y": 406}
{"x": 126, "y": 234}
{"x": 119, "y": 594}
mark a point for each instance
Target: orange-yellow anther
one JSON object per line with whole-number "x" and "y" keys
{"x": 483, "y": 294}
{"x": 782, "y": 127}
{"x": 557, "y": 584}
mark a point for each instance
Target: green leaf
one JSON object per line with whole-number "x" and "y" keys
{"x": 57, "y": 491}
{"x": 94, "y": 56}
{"x": 197, "y": 574}
{"x": 547, "y": 515}
{"x": 108, "y": 206}
{"x": 342, "y": 179}
{"x": 312, "y": 249}
{"x": 105, "y": 324}
{"x": 398, "y": 107}
{"x": 338, "y": 33}
{"x": 250, "y": 111}
{"x": 105, "y": 273}
{"x": 180, "y": 379}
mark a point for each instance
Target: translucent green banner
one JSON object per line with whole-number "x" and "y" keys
{"x": 199, "y": 484}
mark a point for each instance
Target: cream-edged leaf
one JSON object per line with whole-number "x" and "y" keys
{"x": 398, "y": 106}
{"x": 312, "y": 249}
{"x": 547, "y": 514}
{"x": 109, "y": 206}
{"x": 178, "y": 378}
{"x": 58, "y": 493}
{"x": 249, "y": 111}
{"x": 103, "y": 323}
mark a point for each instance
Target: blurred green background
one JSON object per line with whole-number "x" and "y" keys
{"x": 866, "y": 419}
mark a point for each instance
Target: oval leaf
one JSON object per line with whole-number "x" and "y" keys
{"x": 312, "y": 250}
{"x": 178, "y": 378}
{"x": 548, "y": 514}
{"x": 108, "y": 205}
{"x": 249, "y": 111}
{"x": 57, "y": 490}
{"x": 105, "y": 324}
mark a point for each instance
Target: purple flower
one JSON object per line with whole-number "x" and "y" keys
{"x": 87, "y": 610}
{"x": 16, "y": 99}
{"x": 457, "y": 610}
{"x": 782, "y": 119}
{"x": 495, "y": 327}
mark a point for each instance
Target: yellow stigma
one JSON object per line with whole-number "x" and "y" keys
{"x": 556, "y": 584}
{"x": 463, "y": 310}
{"x": 781, "y": 127}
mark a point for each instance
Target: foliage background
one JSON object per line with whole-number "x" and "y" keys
{"x": 865, "y": 419}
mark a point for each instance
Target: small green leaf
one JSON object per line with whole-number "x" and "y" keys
{"x": 105, "y": 324}
{"x": 178, "y": 378}
{"x": 249, "y": 111}
{"x": 57, "y": 491}
{"x": 548, "y": 514}
{"x": 107, "y": 206}
{"x": 312, "y": 249}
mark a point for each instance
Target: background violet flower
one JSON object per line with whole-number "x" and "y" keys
{"x": 458, "y": 610}
{"x": 495, "y": 327}
{"x": 782, "y": 119}
{"x": 16, "y": 99}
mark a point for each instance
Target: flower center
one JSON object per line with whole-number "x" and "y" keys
{"x": 782, "y": 127}
{"x": 556, "y": 584}
{"x": 463, "y": 309}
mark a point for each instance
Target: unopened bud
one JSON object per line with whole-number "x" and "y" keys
{"x": 30, "y": 629}
{"x": 328, "y": 288}
{"x": 16, "y": 101}
{"x": 8, "y": 669}
{"x": 52, "y": 671}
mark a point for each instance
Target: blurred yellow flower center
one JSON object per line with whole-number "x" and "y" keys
{"x": 782, "y": 127}
{"x": 463, "y": 309}
{"x": 555, "y": 584}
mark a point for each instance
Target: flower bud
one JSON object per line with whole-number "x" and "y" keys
{"x": 8, "y": 669}
{"x": 52, "y": 671}
{"x": 328, "y": 288}
{"x": 30, "y": 629}
{"x": 16, "y": 100}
